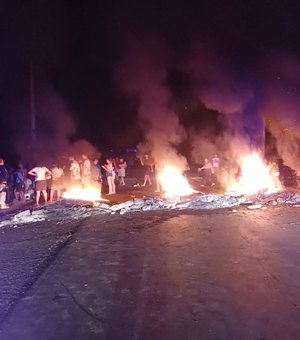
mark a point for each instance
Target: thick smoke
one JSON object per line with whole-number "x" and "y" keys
{"x": 237, "y": 105}
{"x": 143, "y": 76}
{"x": 281, "y": 107}
{"x": 245, "y": 104}
{"x": 217, "y": 87}
{"x": 269, "y": 100}
{"x": 55, "y": 131}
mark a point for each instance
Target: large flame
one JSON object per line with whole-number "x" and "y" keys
{"x": 173, "y": 183}
{"x": 256, "y": 176}
{"x": 85, "y": 194}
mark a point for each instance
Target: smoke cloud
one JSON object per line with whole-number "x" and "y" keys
{"x": 55, "y": 131}
{"x": 237, "y": 104}
{"x": 281, "y": 108}
{"x": 244, "y": 104}
{"x": 142, "y": 75}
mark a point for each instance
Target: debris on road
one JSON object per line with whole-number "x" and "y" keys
{"x": 55, "y": 212}
{"x": 75, "y": 209}
{"x": 254, "y": 206}
{"x": 28, "y": 216}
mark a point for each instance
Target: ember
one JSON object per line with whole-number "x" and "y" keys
{"x": 256, "y": 176}
{"x": 86, "y": 194}
{"x": 174, "y": 183}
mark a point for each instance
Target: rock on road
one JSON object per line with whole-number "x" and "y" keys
{"x": 169, "y": 275}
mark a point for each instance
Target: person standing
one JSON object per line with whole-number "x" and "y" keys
{"x": 74, "y": 171}
{"x": 207, "y": 171}
{"x": 215, "y": 161}
{"x": 147, "y": 163}
{"x": 122, "y": 170}
{"x": 96, "y": 174}
{"x": 157, "y": 180}
{"x": 57, "y": 181}
{"x": 110, "y": 175}
{"x": 86, "y": 171}
{"x": 20, "y": 183}
{"x": 3, "y": 185}
{"x": 216, "y": 167}
{"x": 29, "y": 192}
{"x": 40, "y": 173}
{"x": 115, "y": 162}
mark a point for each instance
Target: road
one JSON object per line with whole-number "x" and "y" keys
{"x": 159, "y": 275}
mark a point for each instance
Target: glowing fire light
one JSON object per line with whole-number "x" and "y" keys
{"x": 174, "y": 183}
{"x": 85, "y": 194}
{"x": 256, "y": 176}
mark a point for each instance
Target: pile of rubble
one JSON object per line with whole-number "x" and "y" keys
{"x": 65, "y": 210}
{"x": 202, "y": 201}
{"x": 179, "y": 203}
{"x": 53, "y": 212}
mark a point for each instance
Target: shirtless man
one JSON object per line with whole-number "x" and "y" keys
{"x": 40, "y": 173}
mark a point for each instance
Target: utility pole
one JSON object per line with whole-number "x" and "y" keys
{"x": 32, "y": 113}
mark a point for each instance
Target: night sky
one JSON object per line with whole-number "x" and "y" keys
{"x": 218, "y": 58}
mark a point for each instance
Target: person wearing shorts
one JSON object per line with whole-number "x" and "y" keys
{"x": 20, "y": 183}
{"x": 147, "y": 163}
{"x": 40, "y": 173}
{"x": 121, "y": 171}
{"x": 207, "y": 173}
{"x": 75, "y": 175}
{"x": 57, "y": 181}
{"x": 96, "y": 174}
{"x": 86, "y": 173}
{"x": 110, "y": 176}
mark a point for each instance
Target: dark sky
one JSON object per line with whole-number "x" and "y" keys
{"x": 77, "y": 48}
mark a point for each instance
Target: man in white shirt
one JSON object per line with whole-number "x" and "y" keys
{"x": 86, "y": 172}
{"x": 40, "y": 173}
{"x": 74, "y": 171}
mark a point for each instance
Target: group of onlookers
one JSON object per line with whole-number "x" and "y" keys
{"x": 14, "y": 184}
{"x": 49, "y": 182}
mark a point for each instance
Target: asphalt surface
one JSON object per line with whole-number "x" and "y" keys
{"x": 166, "y": 275}
{"x": 25, "y": 251}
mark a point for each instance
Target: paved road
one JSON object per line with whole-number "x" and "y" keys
{"x": 204, "y": 275}
{"x": 25, "y": 251}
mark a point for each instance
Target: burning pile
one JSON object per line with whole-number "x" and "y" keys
{"x": 173, "y": 183}
{"x": 85, "y": 194}
{"x": 64, "y": 210}
{"x": 256, "y": 176}
{"x": 257, "y": 185}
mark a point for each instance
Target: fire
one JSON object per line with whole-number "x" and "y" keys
{"x": 174, "y": 183}
{"x": 86, "y": 194}
{"x": 256, "y": 176}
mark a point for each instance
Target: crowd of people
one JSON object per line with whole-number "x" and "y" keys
{"x": 47, "y": 183}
